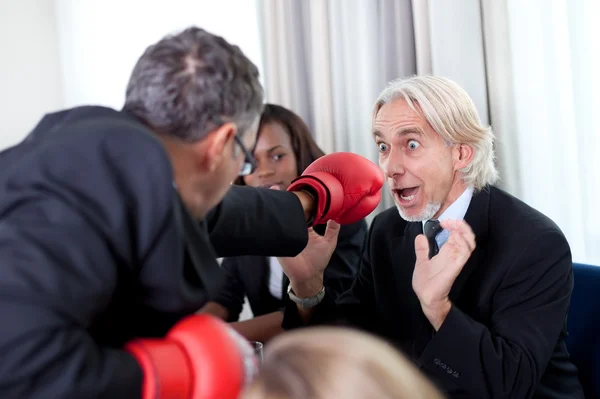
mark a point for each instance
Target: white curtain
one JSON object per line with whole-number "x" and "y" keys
{"x": 328, "y": 61}
{"x": 449, "y": 37}
{"x": 531, "y": 68}
{"x": 545, "y": 95}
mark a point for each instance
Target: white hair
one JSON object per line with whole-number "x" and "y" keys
{"x": 452, "y": 114}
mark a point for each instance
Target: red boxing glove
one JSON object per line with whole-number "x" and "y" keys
{"x": 347, "y": 187}
{"x": 200, "y": 358}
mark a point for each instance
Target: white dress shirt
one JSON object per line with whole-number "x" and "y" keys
{"x": 275, "y": 277}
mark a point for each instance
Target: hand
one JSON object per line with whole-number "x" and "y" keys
{"x": 305, "y": 270}
{"x": 433, "y": 278}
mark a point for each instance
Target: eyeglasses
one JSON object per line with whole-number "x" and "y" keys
{"x": 249, "y": 165}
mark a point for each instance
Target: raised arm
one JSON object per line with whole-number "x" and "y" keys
{"x": 354, "y": 306}
{"x": 508, "y": 358}
{"x": 338, "y": 277}
{"x": 258, "y": 221}
{"x": 344, "y": 187}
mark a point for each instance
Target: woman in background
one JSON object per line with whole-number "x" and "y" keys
{"x": 284, "y": 148}
{"x": 330, "y": 362}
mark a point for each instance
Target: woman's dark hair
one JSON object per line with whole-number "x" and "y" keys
{"x": 305, "y": 148}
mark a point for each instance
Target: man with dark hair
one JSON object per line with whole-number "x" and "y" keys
{"x": 111, "y": 222}
{"x": 189, "y": 84}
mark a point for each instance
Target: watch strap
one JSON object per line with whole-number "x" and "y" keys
{"x": 307, "y": 303}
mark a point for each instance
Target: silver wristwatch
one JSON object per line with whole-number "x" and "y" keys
{"x": 307, "y": 303}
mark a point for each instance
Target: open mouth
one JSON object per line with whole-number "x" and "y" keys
{"x": 406, "y": 195}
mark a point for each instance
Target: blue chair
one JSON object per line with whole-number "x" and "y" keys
{"x": 583, "y": 326}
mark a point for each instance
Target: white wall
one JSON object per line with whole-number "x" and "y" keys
{"x": 30, "y": 77}
{"x": 63, "y": 53}
{"x": 100, "y": 41}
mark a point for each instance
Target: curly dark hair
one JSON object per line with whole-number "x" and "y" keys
{"x": 192, "y": 82}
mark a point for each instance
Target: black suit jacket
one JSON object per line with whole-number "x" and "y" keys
{"x": 249, "y": 275}
{"x": 504, "y": 336}
{"x": 96, "y": 249}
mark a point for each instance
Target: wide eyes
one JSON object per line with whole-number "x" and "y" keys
{"x": 413, "y": 145}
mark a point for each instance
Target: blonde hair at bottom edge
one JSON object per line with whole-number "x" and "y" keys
{"x": 333, "y": 362}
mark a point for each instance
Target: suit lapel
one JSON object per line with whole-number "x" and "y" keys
{"x": 477, "y": 218}
{"x": 404, "y": 257}
{"x": 404, "y": 266}
{"x": 404, "y": 252}
{"x": 254, "y": 271}
{"x": 403, "y": 260}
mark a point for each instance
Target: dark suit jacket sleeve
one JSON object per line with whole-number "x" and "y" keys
{"x": 343, "y": 266}
{"x": 258, "y": 221}
{"x": 64, "y": 235}
{"x": 232, "y": 293}
{"x": 355, "y": 306}
{"x": 509, "y": 358}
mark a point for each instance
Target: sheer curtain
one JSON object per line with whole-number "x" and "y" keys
{"x": 531, "y": 68}
{"x": 328, "y": 61}
{"x": 545, "y": 94}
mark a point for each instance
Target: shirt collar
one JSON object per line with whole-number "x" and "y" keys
{"x": 456, "y": 211}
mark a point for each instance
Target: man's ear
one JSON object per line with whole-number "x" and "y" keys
{"x": 218, "y": 142}
{"x": 463, "y": 155}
